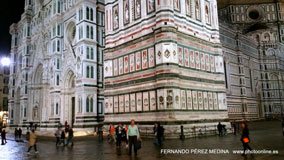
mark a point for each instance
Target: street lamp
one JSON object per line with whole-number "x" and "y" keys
{"x": 5, "y": 61}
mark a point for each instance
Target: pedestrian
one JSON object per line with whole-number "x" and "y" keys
{"x": 16, "y": 134}
{"x": 124, "y": 135}
{"x": 219, "y": 127}
{"x": 112, "y": 133}
{"x": 3, "y": 137}
{"x": 155, "y": 133}
{"x": 20, "y": 133}
{"x": 57, "y": 135}
{"x": 234, "y": 126}
{"x": 133, "y": 136}
{"x": 160, "y": 134}
{"x": 100, "y": 132}
{"x": 245, "y": 138}
{"x": 62, "y": 137}
{"x": 35, "y": 126}
{"x": 118, "y": 132}
{"x": 70, "y": 137}
{"x": 32, "y": 141}
{"x": 224, "y": 130}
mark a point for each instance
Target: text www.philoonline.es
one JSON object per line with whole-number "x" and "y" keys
{"x": 216, "y": 151}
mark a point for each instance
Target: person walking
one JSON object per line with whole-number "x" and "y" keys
{"x": 3, "y": 137}
{"x": 16, "y": 134}
{"x": 70, "y": 137}
{"x": 155, "y": 133}
{"x": 62, "y": 137}
{"x": 32, "y": 141}
{"x": 133, "y": 135}
{"x": 160, "y": 134}
{"x": 245, "y": 138}
{"x": 112, "y": 133}
{"x": 20, "y": 133}
{"x": 219, "y": 127}
{"x": 118, "y": 132}
{"x": 100, "y": 133}
{"x": 124, "y": 135}
{"x": 57, "y": 135}
{"x": 234, "y": 126}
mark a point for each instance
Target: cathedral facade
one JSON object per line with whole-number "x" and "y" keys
{"x": 252, "y": 36}
{"x": 179, "y": 62}
{"x": 56, "y": 74}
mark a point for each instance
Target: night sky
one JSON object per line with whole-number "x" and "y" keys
{"x": 10, "y": 12}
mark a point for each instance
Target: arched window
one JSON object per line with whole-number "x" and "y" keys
{"x": 92, "y": 72}
{"x": 89, "y": 104}
{"x": 197, "y": 10}
{"x": 88, "y": 72}
{"x": 57, "y": 80}
{"x": 207, "y": 14}
{"x": 91, "y": 14}
{"x": 80, "y": 105}
{"x": 267, "y": 37}
{"x": 25, "y": 112}
{"x": 57, "y": 109}
{"x": 87, "y": 13}
{"x": 88, "y": 53}
{"x": 57, "y": 63}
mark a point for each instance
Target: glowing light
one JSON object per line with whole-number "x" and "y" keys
{"x": 5, "y": 61}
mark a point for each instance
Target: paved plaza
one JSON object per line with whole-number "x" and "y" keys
{"x": 264, "y": 136}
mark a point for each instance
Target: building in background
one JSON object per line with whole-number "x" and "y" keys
{"x": 164, "y": 63}
{"x": 179, "y": 62}
{"x": 56, "y": 72}
{"x": 4, "y": 87}
{"x": 252, "y": 35}
{"x": 4, "y": 93}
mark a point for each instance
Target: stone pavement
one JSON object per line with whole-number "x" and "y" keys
{"x": 264, "y": 135}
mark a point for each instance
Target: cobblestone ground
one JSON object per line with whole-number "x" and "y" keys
{"x": 264, "y": 135}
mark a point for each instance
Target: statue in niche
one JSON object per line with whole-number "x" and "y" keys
{"x": 137, "y": 9}
{"x": 115, "y": 17}
{"x": 126, "y": 11}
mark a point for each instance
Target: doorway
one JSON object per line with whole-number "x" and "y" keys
{"x": 73, "y": 111}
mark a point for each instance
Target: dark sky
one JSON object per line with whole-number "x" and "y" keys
{"x": 10, "y": 12}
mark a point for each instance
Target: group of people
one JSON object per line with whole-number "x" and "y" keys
{"x": 130, "y": 135}
{"x": 221, "y": 129}
{"x": 61, "y": 135}
{"x": 118, "y": 134}
{"x": 18, "y": 134}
